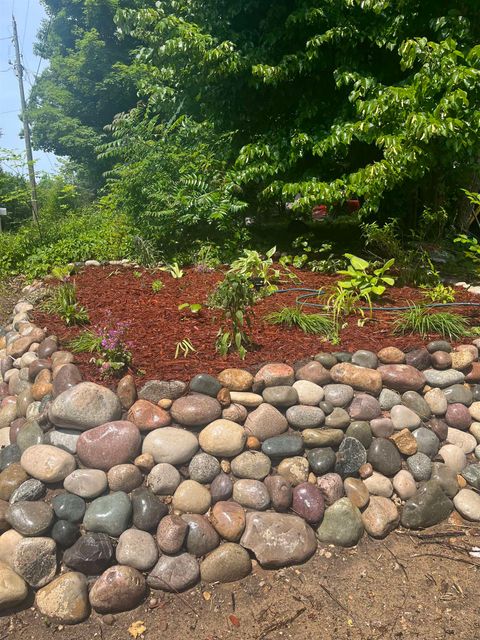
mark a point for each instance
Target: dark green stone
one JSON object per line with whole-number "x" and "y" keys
{"x": 68, "y": 506}
{"x": 205, "y": 383}
{"x": 322, "y": 460}
{"x": 427, "y": 507}
{"x": 148, "y": 509}
{"x": 65, "y": 533}
{"x": 360, "y": 430}
{"x": 283, "y": 446}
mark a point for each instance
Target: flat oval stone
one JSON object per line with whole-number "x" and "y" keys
{"x": 67, "y": 377}
{"x": 228, "y": 519}
{"x": 265, "y": 422}
{"x": 356, "y": 492}
{"x": 68, "y": 506}
{"x": 109, "y": 514}
{"x": 10, "y": 479}
{"x": 147, "y": 508}
{"x": 443, "y": 379}
{"x": 236, "y": 412}
{"x": 90, "y": 554}
{"x": 467, "y": 503}
{"x": 322, "y": 460}
{"x": 147, "y": 416}
{"x": 361, "y": 431}
{"x": 381, "y": 428}
{"x": 364, "y": 358}
{"x": 305, "y": 417}
{"x": 338, "y": 419}
{"x": 254, "y": 465}
{"x": 453, "y": 457}
{"x": 308, "y": 392}
{"x": 339, "y": 395}
{"x": 404, "y": 418}
{"x": 404, "y": 484}
{"x": 458, "y": 393}
{"x": 427, "y": 442}
{"x": 65, "y": 599}
{"x": 391, "y": 355}
{"x": 206, "y": 384}
{"x": 384, "y": 457}
{"x": 119, "y": 588}
{"x": 30, "y": 490}
{"x": 278, "y": 540}
{"x": 281, "y": 397}
{"x": 417, "y": 404}
{"x": 246, "y": 399}
{"x": 439, "y": 345}
{"x": 458, "y": 416}
{"x": 402, "y": 377}
{"x": 201, "y": 536}
{"x": 379, "y": 485}
{"x": 364, "y": 407}
{"x": 308, "y": 502}
{"x": 221, "y": 488}
{"x": 204, "y": 468}
{"x": 236, "y": 379}
{"x": 327, "y": 359}
{"x": 360, "y": 378}
{"x": 30, "y": 518}
{"x": 174, "y": 573}
{"x": 86, "y": 483}
{"x": 109, "y": 444}
{"x": 251, "y": 494}
{"x": 195, "y": 410}
{"x": 322, "y": 437}
{"x": 418, "y": 358}
{"x": 314, "y": 372}
{"x": 156, "y": 390}
{"x": 170, "y": 445}
{"x": 191, "y": 497}
{"x": 286, "y": 445}
{"x": 48, "y": 464}
{"x": 227, "y": 563}
{"x": 84, "y": 406}
{"x": 223, "y": 438}
{"x": 127, "y": 391}
{"x": 124, "y": 477}
{"x": 136, "y": 549}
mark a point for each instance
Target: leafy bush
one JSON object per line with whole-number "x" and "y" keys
{"x": 419, "y": 319}
{"x": 439, "y": 293}
{"x": 364, "y": 280}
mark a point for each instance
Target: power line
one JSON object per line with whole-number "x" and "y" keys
{"x": 25, "y": 25}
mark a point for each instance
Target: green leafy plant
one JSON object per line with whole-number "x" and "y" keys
{"x": 207, "y": 258}
{"x": 364, "y": 280}
{"x": 259, "y": 270}
{"x": 86, "y": 342}
{"x": 185, "y": 347}
{"x": 61, "y": 273}
{"x": 316, "y": 323}
{"x": 194, "y": 308}
{"x": 471, "y": 247}
{"x": 439, "y": 293}
{"x": 418, "y": 319}
{"x": 62, "y": 300}
{"x": 137, "y": 274}
{"x": 174, "y": 270}
{"x": 235, "y": 297}
{"x": 342, "y": 303}
{"x": 157, "y": 285}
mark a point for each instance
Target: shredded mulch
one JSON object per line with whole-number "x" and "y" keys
{"x": 155, "y": 324}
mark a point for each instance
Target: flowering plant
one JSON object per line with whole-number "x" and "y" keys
{"x": 115, "y": 350}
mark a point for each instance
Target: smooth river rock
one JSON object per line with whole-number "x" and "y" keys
{"x": 108, "y": 445}
{"x": 47, "y": 463}
{"x": 171, "y": 445}
{"x": 85, "y": 406}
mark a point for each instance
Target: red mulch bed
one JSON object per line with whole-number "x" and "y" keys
{"x": 111, "y": 295}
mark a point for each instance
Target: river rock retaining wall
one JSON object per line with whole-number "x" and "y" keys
{"x": 106, "y": 494}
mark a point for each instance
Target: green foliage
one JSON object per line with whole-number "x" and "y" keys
{"x": 185, "y": 347}
{"x": 194, "y": 308}
{"x": 62, "y": 300}
{"x": 86, "y": 342}
{"x": 207, "y": 259}
{"x": 316, "y": 323}
{"x": 470, "y": 248}
{"x": 137, "y": 274}
{"x": 439, "y": 293}
{"x": 342, "y": 303}
{"x": 418, "y": 319}
{"x": 258, "y": 270}
{"x": 235, "y": 297}
{"x": 157, "y": 285}
{"x": 174, "y": 270}
{"x": 364, "y": 280}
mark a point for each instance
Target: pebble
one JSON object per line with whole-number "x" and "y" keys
{"x": 439, "y": 345}
{"x": 274, "y": 374}
{"x": 147, "y": 509}
{"x": 427, "y": 441}
{"x": 246, "y": 400}
{"x": 223, "y": 438}
{"x": 227, "y": 563}
{"x": 360, "y": 378}
{"x": 322, "y": 460}
{"x": 86, "y": 483}
{"x": 136, "y": 549}
{"x": 381, "y": 427}
{"x": 388, "y": 399}
{"x": 357, "y": 492}
{"x": 204, "y": 383}
{"x": 467, "y": 503}
{"x": 339, "y": 395}
{"x": 313, "y": 372}
{"x": 10, "y": 479}
{"x": 342, "y": 524}
{"x": 91, "y": 554}
{"x": 163, "y": 479}
{"x": 251, "y": 494}
{"x": 84, "y": 406}
{"x": 30, "y": 518}
{"x": 35, "y": 559}
{"x": 404, "y": 484}
{"x": 294, "y": 469}
{"x": 67, "y": 376}
{"x": 327, "y": 359}
{"x": 286, "y": 445}
{"x": 418, "y": 358}
{"x": 420, "y": 466}
{"x": 171, "y": 534}
{"x": 8, "y": 541}
{"x": 124, "y": 477}
{"x": 236, "y": 379}
{"x": 65, "y": 439}
{"x": 453, "y": 457}
{"x": 280, "y": 492}
{"x": 8, "y": 455}
{"x": 278, "y": 540}
{"x": 401, "y": 377}
{"x": 174, "y": 573}
{"x": 405, "y": 442}
{"x": 191, "y": 497}
{"x": 331, "y": 486}
{"x": 458, "y": 416}
{"x": 417, "y": 404}
{"x": 364, "y": 407}
{"x": 201, "y": 536}
{"x": 471, "y": 473}
{"x": 322, "y": 437}
{"x": 235, "y": 412}
{"x": 439, "y": 428}
{"x": 404, "y": 418}
{"x": 308, "y": 502}
{"x": 119, "y": 588}
{"x": 462, "y": 439}
{"x": 29, "y": 490}
{"x": 443, "y": 379}
{"x": 364, "y": 358}
{"x": 109, "y": 514}
{"x": 127, "y": 391}
{"x": 203, "y": 468}
{"x": 147, "y": 416}
{"x": 338, "y": 419}
{"x": 195, "y": 410}
{"x": 13, "y": 589}
{"x": 221, "y": 488}
{"x": 65, "y": 533}
{"x": 30, "y": 434}
{"x": 265, "y": 422}
{"x": 170, "y": 445}
{"x": 281, "y": 397}
{"x": 350, "y": 457}
{"x": 47, "y": 463}
{"x": 65, "y": 599}
{"x": 305, "y": 417}
{"x": 441, "y": 360}
{"x": 109, "y": 445}
{"x": 228, "y": 519}
{"x": 251, "y": 464}
{"x": 308, "y": 392}
{"x": 437, "y": 402}
{"x": 391, "y": 355}
{"x": 379, "y": 485}
{"x": 427, "y": 507}
{"x": 384, "y": 457}
{"x": 380, "y": 517}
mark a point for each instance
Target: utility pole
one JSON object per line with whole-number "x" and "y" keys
{"x": 26, "y": 128}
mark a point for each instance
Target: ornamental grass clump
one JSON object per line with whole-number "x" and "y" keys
{"x": 316, "y": 323}
{"x": 418, "y": 319}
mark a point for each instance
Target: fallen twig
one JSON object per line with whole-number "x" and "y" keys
{"x": 444, "y": 557}
{"x": 281, "y": 623}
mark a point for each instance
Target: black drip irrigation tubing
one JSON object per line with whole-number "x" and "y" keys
{"x": 314, "y": 293}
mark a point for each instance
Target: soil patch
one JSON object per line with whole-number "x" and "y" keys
{"x": 155, "y": 324}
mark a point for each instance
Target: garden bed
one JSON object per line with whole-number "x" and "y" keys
{"x": 155, "y": 325}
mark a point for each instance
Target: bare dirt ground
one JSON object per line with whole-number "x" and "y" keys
{"x": 9, "y": 294}
{"x": 405, "y": 587}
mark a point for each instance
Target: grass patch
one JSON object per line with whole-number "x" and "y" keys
{"x": 419, "y": 320}
{"x": 315, "y": 323}
{"x": 87, "y": 342}
{"x": 62, "y": 300}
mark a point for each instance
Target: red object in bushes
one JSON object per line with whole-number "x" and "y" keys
{"x": 320, "y": 211}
